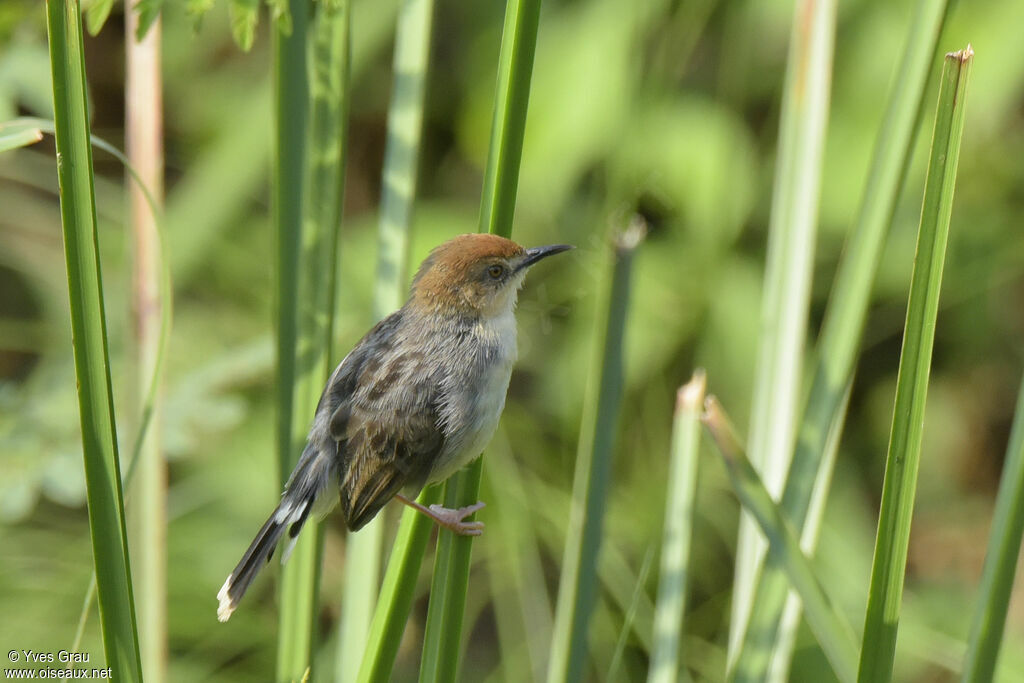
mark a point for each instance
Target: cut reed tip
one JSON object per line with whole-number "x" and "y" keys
{"x": 962, "y": 55}
{"x": 633, "y": 235}
{"x": 690, "y": 396}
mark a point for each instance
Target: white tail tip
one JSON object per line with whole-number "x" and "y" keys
{"x": 226, "y": 606}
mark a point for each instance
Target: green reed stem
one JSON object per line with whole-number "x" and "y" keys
{"x": 322, "y": 195}
{"x": 677, "y": 533}
{"x": 15, "y": 134}
{"x": 787, "y": 281}
{"x": 291, "y": 109}
{"x": 401, "y": 160}
{"x": 890, "y": 558}
{"x": 843, "y": 326}
{"x": 89, "y": 341}
{"x": 515, "y": 67}
{"x": 397, "y": 591}
{"x": 441, "y": 638}
{"x": 577, "y": 587}
{"x": 629, "y": 618}
{"x": 989, "y": 621}
{"x": 830, "y": 628}
{"x": 402, "y": 153}
{"x": 166, "y": 297}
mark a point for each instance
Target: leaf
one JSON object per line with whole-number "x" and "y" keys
{"x": 15, "y": 134}
{"x": 96, "y": 14}
{"x": 677, "y": 531}
{"x": 244, "y": 16}
{"x": 148, "y": 11}
{"x": 904, "y": 456}
{"x": 281, "y": 15}
{"x": 989, "y": 623}
{"x": 196, "y": 9}
{"x": 89, "y": 341}
{"x": 827, "y": 623}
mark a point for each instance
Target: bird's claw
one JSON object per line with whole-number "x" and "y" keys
{"x": 452, "y": 519}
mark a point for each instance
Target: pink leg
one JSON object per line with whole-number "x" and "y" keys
{"x": 448, "y": 518}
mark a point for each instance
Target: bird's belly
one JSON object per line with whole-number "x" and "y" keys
{"x": 473, "y": 410}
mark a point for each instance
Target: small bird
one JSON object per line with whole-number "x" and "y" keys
{"x": 418, "y": 398}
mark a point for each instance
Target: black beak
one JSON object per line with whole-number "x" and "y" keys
{"x": 535, "y": 254}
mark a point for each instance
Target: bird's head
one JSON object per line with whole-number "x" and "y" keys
{"x": 475, "y": 274}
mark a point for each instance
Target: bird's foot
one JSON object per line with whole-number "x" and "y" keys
{"x": 453, "y": 519}
{"x": 449, "y": 518}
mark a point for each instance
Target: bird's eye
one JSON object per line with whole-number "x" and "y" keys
{"x": 496, "y": 271}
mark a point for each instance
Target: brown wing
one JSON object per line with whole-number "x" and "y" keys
{"x": 387, "y": 433}
{"x": 386, "y": 457}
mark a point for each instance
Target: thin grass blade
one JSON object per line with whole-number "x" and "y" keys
{"x": 615, "y": 668}
{"x": 401, "y": 159}
{"x": 890, "y": 557}
{"x": 830, "y": 628}
{"x": 986, "y": 635}
{"x": 324, "y": 180}
{"x": 291, "y": 110}
{"x": 791, "y": 237}
{"x": 778, "y": 668}
{"x": 445, "y": 613}
{"x": 165, "y": 295}
{"x": 501, "y": 180}
{"x": 577, "y": 586}
{"x": 15, "y": 134}
{"x": 511, "y": 98}
{"x": 675, "y": 546}
{"x": 523, "y": 596}
{"x": 616, "y": 578}
{"x": 402, "y": 151}
{"x": 842, "y": 329}
{"x": 397, "y": 591}
{"x": 96, "y": 15}
{"x": 89, "y": 341}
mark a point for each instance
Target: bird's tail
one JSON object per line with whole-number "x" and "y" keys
{"x": 290, "y": 515}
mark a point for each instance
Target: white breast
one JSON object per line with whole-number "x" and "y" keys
{"x": 475, "y": 396}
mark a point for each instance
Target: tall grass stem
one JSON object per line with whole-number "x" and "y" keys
{"x": 166, "y": 297}
{"x": 402, "y": 153}
{"x": 577, "y": 586}
{"x": 144, "y": 148}
{"x": 890, "y": 557}
{"x": 397, "y": 591}
{"x": 16, "y": 133}
{"x": 787, "y": 282}
{"x": 845, "y": 313}
{"x": 445, "y": 613}
{"x": 291, "y": 121}
{"x": 830, "y": 628}
{"x": 629, "y": 618}
{"x": 781, "y": 656}
{"x": 677, "y": 533}
{"x": 291, "y": 112}
{"x": 401, "y": 160}
{"x": 89, "y": 341}
{"x": 497, "y": 208}
{"x": 322, "y": 195}
{"x": 986, "y": 635}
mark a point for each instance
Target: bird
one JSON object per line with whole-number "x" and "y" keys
{"x": 418, "y": 398}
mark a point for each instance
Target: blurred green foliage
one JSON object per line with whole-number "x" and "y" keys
{"x": 667, "y": 108}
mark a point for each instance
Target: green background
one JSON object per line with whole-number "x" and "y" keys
{"x": 669, "y": 109}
